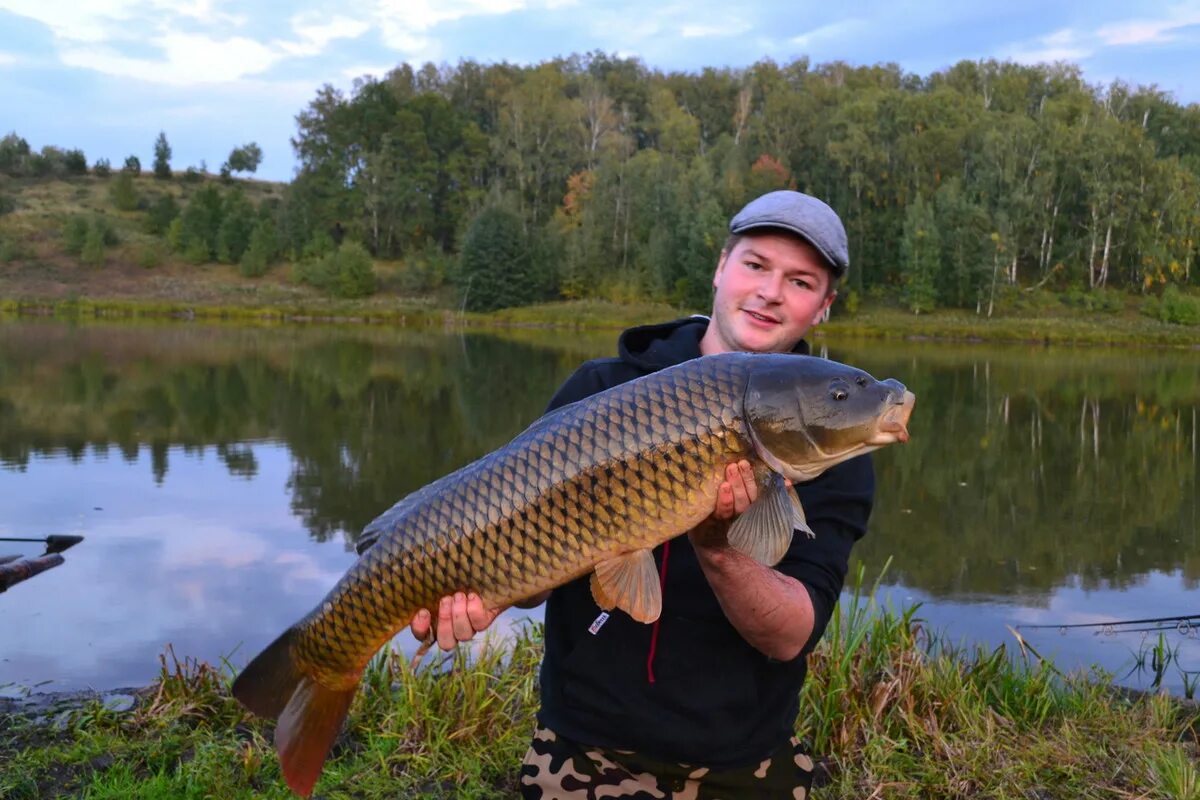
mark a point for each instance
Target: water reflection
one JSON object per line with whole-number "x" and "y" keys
{"x": 221, "y": 475}
{"x": 1029, "y": 468}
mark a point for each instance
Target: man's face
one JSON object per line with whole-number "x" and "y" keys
{"x": 770, "y": 289}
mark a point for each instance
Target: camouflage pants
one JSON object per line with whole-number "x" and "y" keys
{"x": 556, "y": 768}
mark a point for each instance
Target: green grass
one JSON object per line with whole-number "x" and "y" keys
{"x": 888, "y": 711}
{"x": 1062, "y": 327}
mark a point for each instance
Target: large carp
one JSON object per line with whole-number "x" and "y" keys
{"x": 591, "y": 487}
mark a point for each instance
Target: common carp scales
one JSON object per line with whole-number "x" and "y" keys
{"x": 592, "y": 487}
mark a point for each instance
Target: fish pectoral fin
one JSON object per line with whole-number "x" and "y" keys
{"x": 604, "y": 601}
{"x": 764, "y": 530}
{"x": 629, "y": 582}
{"x": 799, "y": 521}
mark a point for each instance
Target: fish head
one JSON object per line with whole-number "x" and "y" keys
{"x": 806, "y": 414}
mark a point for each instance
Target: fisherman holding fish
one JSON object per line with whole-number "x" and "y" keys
{"x": 686, "y": 510}
{"x": 703, "y": 702}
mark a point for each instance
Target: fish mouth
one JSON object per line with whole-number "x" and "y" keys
{"x": 893, "y": 423}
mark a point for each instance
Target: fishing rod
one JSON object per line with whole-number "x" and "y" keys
{"x": 55, "y": 542}
{"x": 1183, "y": 623}
{"x": 13, "y": 571}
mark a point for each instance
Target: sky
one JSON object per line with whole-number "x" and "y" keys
{"x": 107, "y": 75}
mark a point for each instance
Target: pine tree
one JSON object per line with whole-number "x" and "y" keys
{"x": 162, "y": 157}
{"x": 494, "y": 264}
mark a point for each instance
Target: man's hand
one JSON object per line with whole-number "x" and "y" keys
{"x": 734, "y": 496}
{"x": 772, "y": 611}
{"x": 460, "y": 617}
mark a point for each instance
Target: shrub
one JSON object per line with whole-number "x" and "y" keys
{"x": 425, "y": 271}
{"x": 124, "y": 196}
{"x": 201, "y": 224}
{"x": 852, "y": 302}
{"x": 355, "y": 271}
{"x": 162, "y": 213}
{"x": 93, "y": 247}
{"x": 175, "y": 234}
{"x": 261, "y": 251}
{"x": 133, "y": 166}
{"x": 192, "y": 175}
{"x": 149, "y": 256}
{"x": 75, "y": 234}
{"x": 237, "y": 224}
{"x": 108, "y": 234}
{"x": 7, "y": 204}
{"x": 11, "y": 250}
{"x": 102, "y": 168}
{"x": 346, "y": 272}
{"x": 75, "y": 162}
{"x": 1106, "y": 300}
{"x": 15, "y": 154}
{"x": 321, "y": 244}
{"x": 1179, "y": 308}
{"x": 196, "y": 252}
{"x": 315, "y": 273}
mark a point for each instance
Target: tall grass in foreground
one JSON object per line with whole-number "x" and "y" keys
{"x": 888, "y": 710}
{"x": 898, "y": 714}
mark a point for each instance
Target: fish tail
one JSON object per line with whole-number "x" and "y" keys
{"x": 308, "y": 715}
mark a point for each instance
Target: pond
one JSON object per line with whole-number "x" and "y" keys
{"x": 220, "y": 475}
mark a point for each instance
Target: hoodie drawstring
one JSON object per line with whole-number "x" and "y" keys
{"x": 662, "y": 588}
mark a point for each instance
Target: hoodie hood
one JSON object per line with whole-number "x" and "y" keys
{"x": 654, "y": 347}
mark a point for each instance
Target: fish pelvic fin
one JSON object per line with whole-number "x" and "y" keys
{"x": 629, "y": 582}
{"x": 764, "y": 530}
{"x": 308, "y": 715}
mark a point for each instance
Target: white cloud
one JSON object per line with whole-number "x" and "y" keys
{"x": 825, "y": 33}
{"x": 1062, "y": 45}
{"x": 316, "y": 32}
{"x": 1074, "y": 45}
{"x": 201, "y": 42}
{"x": 404, "y": 23}
{"x": 7, "y": 59}
{"x": 82, "y": 21}
{"x": 734, "y": 28}
{"x": 1149, "y": 31}
{"x": 90, "y": 34}
{"x": 188, "y": 59}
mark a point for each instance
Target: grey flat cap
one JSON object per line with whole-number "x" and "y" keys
{"x": 803, "y": 215}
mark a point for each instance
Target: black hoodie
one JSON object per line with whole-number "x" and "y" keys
{"x": 689, "y": 688}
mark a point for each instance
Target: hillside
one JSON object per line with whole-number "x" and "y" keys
{"x": 140, "y": 266}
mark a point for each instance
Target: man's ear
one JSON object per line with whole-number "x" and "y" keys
{"x": 822, "y": 314}
{"x": 720, "y": 265}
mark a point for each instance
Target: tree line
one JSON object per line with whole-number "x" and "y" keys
{"x": 594, "y": 175}
{"x": 620, "y": 179}
{"x": 19, "y": 160}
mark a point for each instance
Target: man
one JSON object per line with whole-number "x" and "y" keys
{"x": 703, "y": 702}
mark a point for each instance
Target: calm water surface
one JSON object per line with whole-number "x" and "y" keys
{"x": 220, "y": 476}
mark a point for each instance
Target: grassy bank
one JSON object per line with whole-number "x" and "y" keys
{"x": 888, "y": 716}
{"x": 873, "y": 322}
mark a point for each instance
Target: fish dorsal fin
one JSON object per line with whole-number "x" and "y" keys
{"x": 764, "y": 530}
{"x": 629, "y": 582}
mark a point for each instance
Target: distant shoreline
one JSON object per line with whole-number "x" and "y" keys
{"x": 1083, "y": 328}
